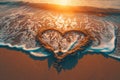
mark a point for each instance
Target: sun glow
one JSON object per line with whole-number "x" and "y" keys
{"x": 59, "y": 2}
{"x": 62, "y": 2}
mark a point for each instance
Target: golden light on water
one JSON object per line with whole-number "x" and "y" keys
{"x": 94, "y": 3}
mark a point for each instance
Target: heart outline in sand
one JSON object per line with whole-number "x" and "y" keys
{"x": 82, "y": 43}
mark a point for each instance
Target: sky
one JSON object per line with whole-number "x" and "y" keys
{"x": 96, "y": 3}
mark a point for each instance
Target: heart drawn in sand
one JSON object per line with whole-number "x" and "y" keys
{"x": 63, "y": 43}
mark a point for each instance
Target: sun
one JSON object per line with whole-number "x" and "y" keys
{"x": 62, "y": 2}
{"x": 59, "y": 2}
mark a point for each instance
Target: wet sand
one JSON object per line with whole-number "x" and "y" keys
{"x": 15, "y": 65}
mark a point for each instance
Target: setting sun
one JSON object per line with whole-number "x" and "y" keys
{"x": 61, "y": 2}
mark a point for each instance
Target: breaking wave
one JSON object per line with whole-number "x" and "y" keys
{"x": 20, "y": 22}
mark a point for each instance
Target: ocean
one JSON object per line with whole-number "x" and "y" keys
{"x": 20, "y": 22}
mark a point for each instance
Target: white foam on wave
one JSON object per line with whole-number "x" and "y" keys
{"x": 32, "y": 51}
{"x": 18, "y": 46}
{"x": 39, "y": 54}
{"x": 106, "y": 47}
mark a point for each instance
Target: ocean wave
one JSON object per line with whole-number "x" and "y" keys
{"x": 20, "y": 23}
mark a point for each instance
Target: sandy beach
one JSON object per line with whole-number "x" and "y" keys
{"x": 15, "y": 65}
